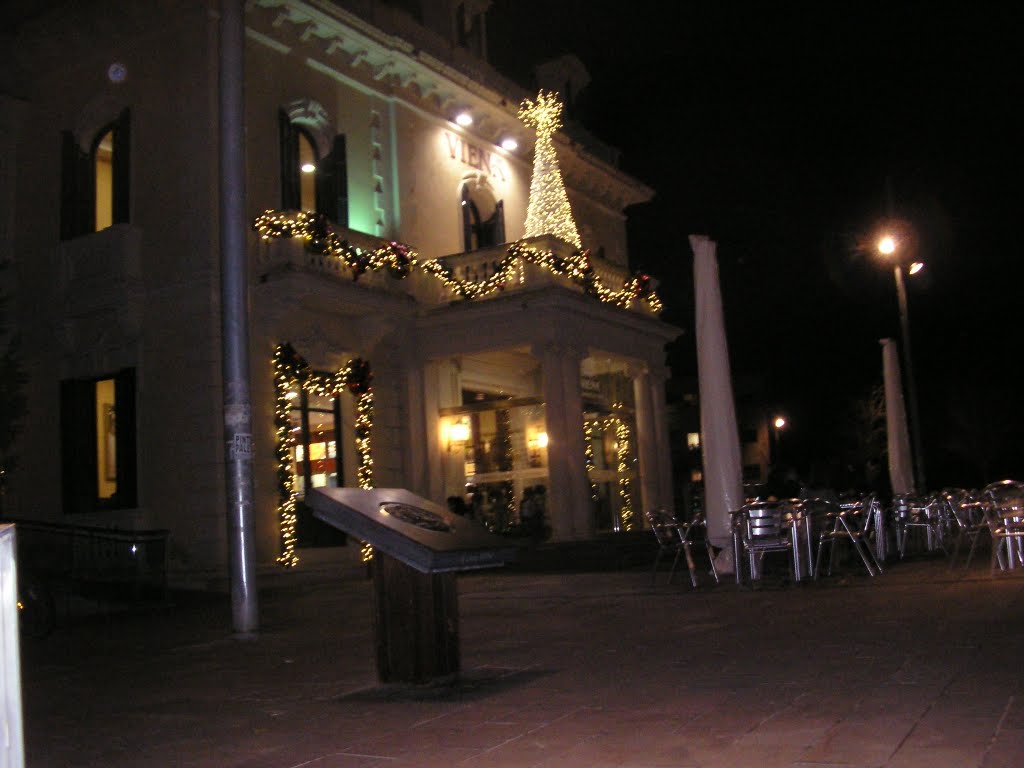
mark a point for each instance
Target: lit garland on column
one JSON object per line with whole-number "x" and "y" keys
{"x": 549, "y": 212}
{"x": 314, "y": 230}
{"x": 290, "y": 369}
{"x": 593, "y": 427}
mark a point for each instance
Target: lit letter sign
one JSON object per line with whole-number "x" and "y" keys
{"x": 475, "y": 157}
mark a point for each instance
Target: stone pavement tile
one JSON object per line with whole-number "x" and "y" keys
{"x": 936, "y": 729}
{"x": 897, "y": 701}
{"x": 761, "y": 756}
{"x": 285, "y": 760}
{"x": 861, "y": 741}
{"x": 610, "y": 749}
{"x": 783, "y": 731}
{"x": 979, "y": 703}
{"x": 931, "y": 757}
{"x": 1006, "y": 750}
{"x": 1013, "y": 715}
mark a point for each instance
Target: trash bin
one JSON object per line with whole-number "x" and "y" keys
{"x": 419, "y": 547}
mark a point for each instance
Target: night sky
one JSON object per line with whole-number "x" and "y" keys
{"x": 784, "y": 132}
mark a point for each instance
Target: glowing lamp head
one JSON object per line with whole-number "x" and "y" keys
{"x": 464, "y": 119}
{"x": 779, "y": 422}
{"x": 509, "y": 144}
{"x": 916, "y": 267}
{"x": 308, "y": 168}
{"x": 459, "y": 432}
{"x": 887, "y": 245}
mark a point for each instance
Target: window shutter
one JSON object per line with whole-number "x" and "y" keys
{"x": 78, "y": 445}
{"x": 124, "y": 398}
{"x": 499, "y": 223}
{"x": 122, "y": 168}
{"x": 78, "y": 193}
{"x": 467, "y": 219}
{"x": 291, "y": 195}
{"x": 332, "y": 184}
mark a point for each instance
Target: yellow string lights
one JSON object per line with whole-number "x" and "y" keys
{"x": 399, "y": 260}
{"x": 291, "y": 370}
{"x": 549, "y": 212}
{"x": 592, "y": 428}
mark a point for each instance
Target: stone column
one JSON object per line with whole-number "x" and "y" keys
{"x": 568, "y": 495}
{"x": 420, "y": 404}
{"x": 450, "y": 473}
{"x": 646, "y": 444}
{"x": 656, "y": 377}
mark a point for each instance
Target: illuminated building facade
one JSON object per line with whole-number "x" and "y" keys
{"x": 403, "y": 332}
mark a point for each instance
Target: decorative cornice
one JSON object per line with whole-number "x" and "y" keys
{"x": 337, "y": 40}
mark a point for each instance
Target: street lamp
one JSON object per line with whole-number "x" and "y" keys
{"x": 889, "y": 245}
{"x": 778, "y": 423}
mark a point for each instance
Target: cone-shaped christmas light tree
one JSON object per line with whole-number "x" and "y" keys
{"x": 549, "y": 212}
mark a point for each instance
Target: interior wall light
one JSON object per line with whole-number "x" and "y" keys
{"x": 509, "y": 144}
{"x": 464, "y": 119}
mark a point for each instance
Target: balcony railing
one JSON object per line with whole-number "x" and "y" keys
{"x": 300, "y": 242}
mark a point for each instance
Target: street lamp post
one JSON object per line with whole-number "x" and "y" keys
{"x": 887, "y": 246}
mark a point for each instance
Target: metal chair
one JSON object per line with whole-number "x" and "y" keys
{"x": 871, "y": 518}
{"x": 762, "y": 527}
{"x": 834, "y": 524}
{"x": 911, "y": 513}
{"x": 964, "y": 508}
{"x": 676, "y": 539}
{"x": 1003, "y": 505}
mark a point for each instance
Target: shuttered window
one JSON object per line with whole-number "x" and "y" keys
{"x": 95, "y": 185}
{"x": 310, "y": 182}
{"x": 98, "y": 449}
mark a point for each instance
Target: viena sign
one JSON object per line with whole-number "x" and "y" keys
{"x": 479, "y": 159}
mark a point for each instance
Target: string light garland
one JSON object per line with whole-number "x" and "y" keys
{"x": 548, "y": 212}
{"x": 315, "y": 230}
{"x": 291, "y": 370}
{"x": 623, "y": 436}
{"x": 399, "y": 260}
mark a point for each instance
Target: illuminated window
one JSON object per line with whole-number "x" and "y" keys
{"x": 693, "y": 440}
{"x": 315, "y": 424}
{"x": 97, "y": 419}
{"x": 103, "y": 167}
{"x": 95, "y": 184}
{"x": 310, "y": 182}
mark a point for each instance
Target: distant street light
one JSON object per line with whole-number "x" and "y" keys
{"x": 890, "y": 246}
{"x": 778, "y": 424}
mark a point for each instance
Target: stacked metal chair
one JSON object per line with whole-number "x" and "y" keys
{"x": 762, "y": 527}
{"x": 1003, "y": 505}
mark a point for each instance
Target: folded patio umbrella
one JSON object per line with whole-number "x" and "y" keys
{"x": 720, "y": 444}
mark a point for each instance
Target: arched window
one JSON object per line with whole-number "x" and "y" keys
{"x": 95, "y": 184}
{"x": 310, "y": 182}
{"x": 483, "y": 218}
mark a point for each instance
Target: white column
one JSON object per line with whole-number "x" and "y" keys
{"x": 569, "y": 507}
{"x": 662, "y": 444}
{"x": 450, "y": 475}
{"x": 645, "y": 442}
{"x": 418, "y": 455}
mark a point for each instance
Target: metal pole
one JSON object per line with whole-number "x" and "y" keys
{"x": 915, "y": 421}
{"x": 234, "y": 318}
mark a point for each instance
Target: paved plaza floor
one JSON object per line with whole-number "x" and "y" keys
{"x": 918, "y": 668}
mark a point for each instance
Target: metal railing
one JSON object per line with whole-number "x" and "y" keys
{"x": 87, "y": 557}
